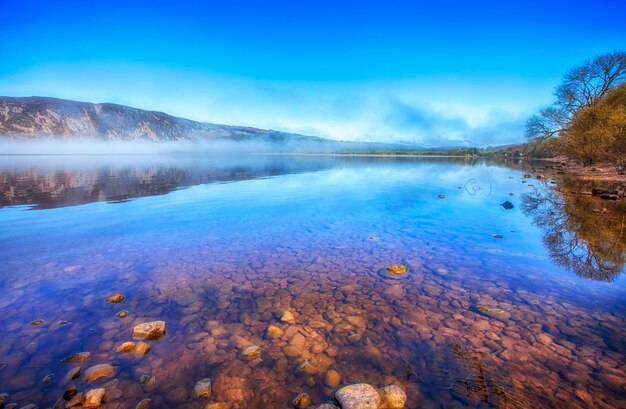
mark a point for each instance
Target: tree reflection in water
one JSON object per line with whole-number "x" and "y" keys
{"x": 583, "y": 234}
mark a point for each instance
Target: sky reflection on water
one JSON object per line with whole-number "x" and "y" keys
{"x": 214, "y": 246}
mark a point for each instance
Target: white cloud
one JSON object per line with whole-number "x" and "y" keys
{"x": 431, "y": 111}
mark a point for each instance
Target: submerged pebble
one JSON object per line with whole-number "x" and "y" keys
{"x": 116, "y": 298}
{"x": 301, "y": 401}
{"x": 203, "y": 388}
{"x": 77, "y": 357}
{"x": 94, "y": 398}
{"x": 250, "y": 352}
{"x": 98, "y": 371}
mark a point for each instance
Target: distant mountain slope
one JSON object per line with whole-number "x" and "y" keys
{"x": 36, "y": 117}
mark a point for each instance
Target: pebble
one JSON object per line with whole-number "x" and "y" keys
{"x": 122, "y": 314}
{"x": 397, "y": 269}
{"x": 332, "y": 379}
{"x": 116, "y": 298}
{"x": 77, "y": 357}
{"x": 36, "y": 322}
{"x": 70, "y": 392}
{"x": 301, "y": 401}
{"x": 273, "y": 332}
{"x": 72, "y": 374}
{"x": 75, "y": 401}
{"x": 98, "y": 371}
{"x": 358, "y": 396}
{"x": 250, "y": 352}
{"x": 126, "y": 347}
{"x": 94, "y": 398}
{"x": 149, "y": 330}
{"x": 288, "y": 317}
{"x": 141, "y": 348}
{"x": 203, "y": 388}
{"x": 48, "y": 379}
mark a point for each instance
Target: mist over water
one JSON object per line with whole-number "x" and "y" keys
{"x": 219, "y": 246}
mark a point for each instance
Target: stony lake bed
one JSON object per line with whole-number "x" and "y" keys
{"x": 276, "y": 281}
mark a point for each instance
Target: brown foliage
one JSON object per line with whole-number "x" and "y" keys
{"x": 598, "y": 132}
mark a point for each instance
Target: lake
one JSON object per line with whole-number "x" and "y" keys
{"x": 507, "y": 307}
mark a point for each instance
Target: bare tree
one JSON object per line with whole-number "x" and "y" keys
{"x": 581, "y": 87}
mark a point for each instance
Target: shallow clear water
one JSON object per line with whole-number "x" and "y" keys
{"x": 218, "y": 248}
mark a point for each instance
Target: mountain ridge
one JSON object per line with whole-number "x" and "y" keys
{"x": 34, "y": 117}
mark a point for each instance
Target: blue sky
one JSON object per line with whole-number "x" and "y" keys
{"x": 434, "y": 73}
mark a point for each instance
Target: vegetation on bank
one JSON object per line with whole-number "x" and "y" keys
{"x": 587, "y": 120}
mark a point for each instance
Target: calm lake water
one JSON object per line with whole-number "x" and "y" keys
{"x": 517, "y": 308}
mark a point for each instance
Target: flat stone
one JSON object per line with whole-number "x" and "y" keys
{"x": 77, "y": 357}
{"x": 358, "y": 396}
{"x": 98, "y": 371}
{"x": 36, "y": 322}
{"x": 149, "y": 330}
{"x": 122, "y": 314}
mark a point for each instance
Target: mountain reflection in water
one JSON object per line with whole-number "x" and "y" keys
{"x": 220, "y": 248}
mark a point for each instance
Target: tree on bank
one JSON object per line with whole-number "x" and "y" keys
{"x": 598, "y": 132}
{"x": 574, "y": 123}
{"x": 581, "y": 87}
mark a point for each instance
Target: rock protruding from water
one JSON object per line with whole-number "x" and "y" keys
{"x": 506, "y": 205}
{"x": 149, "y": 330}
{"x": 358, "y": 396}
